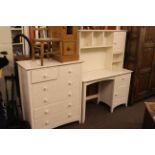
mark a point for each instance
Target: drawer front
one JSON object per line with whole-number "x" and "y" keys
{"x": 55, "y": 109}
{"x": 69, "y": 48}
{"x": 122, "y": 80}
{"x": 60, "y": 117}
{"x": 70, "y": 71}
{"x": 44, "y": 74}
{"x": 121, "y": 95}
{"x": 53, "y": 95}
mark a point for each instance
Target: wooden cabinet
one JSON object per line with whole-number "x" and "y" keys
{"x": 51, "y": 95}
{"x": 140, "y": 57}
{"x": 67, "y": 49}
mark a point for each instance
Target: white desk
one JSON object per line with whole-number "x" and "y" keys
{"x": 113, "y": 87}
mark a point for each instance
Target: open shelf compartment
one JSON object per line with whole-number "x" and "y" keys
{"x": 98, "y": 39}
{"x": 86, "y": 39}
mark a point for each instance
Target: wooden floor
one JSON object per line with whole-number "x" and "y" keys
{"x": 99, "y": 117}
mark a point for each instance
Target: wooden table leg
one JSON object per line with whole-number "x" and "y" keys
{"x": 42, "y": 53}
{"x": 33, "y": 53}
{"x": 49, "y": 49}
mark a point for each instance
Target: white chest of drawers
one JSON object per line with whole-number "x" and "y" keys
{"x": 51, "y": 94}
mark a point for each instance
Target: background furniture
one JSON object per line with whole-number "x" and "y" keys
{"x": 102, "y": 53}
{"x": 149, "y": 116}
{"x": 50, "y": 94}
{"x": 140, "y": 57}
{"x": 63, "y": 50}
{"x": 66, "y": 50}
{"x": 18, "y": 44}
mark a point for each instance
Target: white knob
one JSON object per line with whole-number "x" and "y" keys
{"x": 45, "y": 76}
{"x": 70, "y": 104}
{"x": 70, "y": 71}
{"x": 69, "y": 83}
{"x": 69, "y": 94}
{"x": 46, "y": 112}
{"x": 69, "y": 115}
{"x": 45, "y": 89}
{"x": 45, "y": 100}
{"x": 47, "y": 123}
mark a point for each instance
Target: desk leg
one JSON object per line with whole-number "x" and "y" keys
{"x": 84, "y": 87}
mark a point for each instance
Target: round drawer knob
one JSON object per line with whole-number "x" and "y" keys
{"x": 69, "y": 83}
{"x": 123, "y": 78}
{"x": 116, "y": 95}
{"x": 45, "y": 100}
{"x": 70, "y": 71}
{"x": 69, "y": 94}
{"x": 45, "y": 76}
{"x": 70, "y": 104}
{"x": 68, "y": 49}
{"x": 69, "y": 115}
{"x": 46, "y": 112}
{"x": 47, "y": 123}
{"x": 45, "y": 89}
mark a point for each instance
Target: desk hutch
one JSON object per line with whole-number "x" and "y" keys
{"x": 102, "y": 53}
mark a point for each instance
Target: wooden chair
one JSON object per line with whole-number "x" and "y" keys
{"x": 44, "y": 47}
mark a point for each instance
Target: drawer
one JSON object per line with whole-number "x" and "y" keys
{"x": 72, "y": 71}
{"x": 59, "y": 118}
{"x": 121, "y": 95}
{"x": 52, "y": 95}
{"x": 120, "y": 100}
{"x": 55, "y": 109}
{"x": 122, "y": 80}
{"x": 69, "y": 48}
{"x": 44, "y": 74}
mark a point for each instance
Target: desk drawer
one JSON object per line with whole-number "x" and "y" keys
{"x": 44, "y": 74}
{"x": 122, "y": 80}
{"x": 121, "y": 95}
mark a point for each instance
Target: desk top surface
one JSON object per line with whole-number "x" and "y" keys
{"x": 102, "y": 74}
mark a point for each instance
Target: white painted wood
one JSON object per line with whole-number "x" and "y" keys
{"x": 92, "y": 96}
{"x": 119, "y": 42}
{"x": 102, "y": 53}
{"x": 55, "y": 100}
{"x": 45, "y": 74}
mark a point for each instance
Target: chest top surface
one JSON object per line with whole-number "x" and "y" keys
{"x": 35, "y": 64}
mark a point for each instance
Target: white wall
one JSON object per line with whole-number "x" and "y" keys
{"x": 6, "y": 45}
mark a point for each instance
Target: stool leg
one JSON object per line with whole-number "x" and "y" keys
{"x": 42, "y": 54}
{"x": 49, "y": 49}
{"x": 33, "y": 53}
